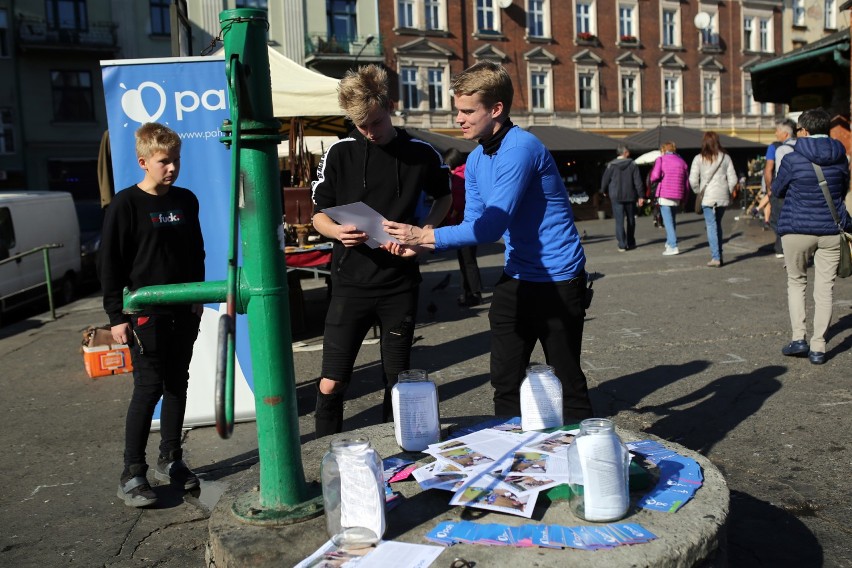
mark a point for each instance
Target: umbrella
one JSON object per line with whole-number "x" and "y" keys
{"x": 647, "y": 158}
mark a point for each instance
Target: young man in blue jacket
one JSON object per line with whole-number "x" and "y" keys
{"x": 514, "y": 191}
{"x": 387, "y": 169}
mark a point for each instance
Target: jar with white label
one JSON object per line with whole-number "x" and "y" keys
{"x": 353, "y": 493}
{"x": 598, "y": 472}
{"x": 541, "y": 399}
{"x": 416, "y": 421}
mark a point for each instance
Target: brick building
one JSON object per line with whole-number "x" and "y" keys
{"x": 614, "y": 66}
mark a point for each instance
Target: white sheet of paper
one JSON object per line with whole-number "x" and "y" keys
{"x": 365, "y": 218}
{"x": 387, "y": 554}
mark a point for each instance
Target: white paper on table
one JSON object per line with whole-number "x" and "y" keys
{"x": 365, "y": 219}
{"x": 604, "y": 477}
{"x": 389, "y": 554}
{"x": 361, "y": 504}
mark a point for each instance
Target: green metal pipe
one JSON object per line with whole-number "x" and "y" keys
{"x": 170, "y": 294}
{"x": 282, "y": 481}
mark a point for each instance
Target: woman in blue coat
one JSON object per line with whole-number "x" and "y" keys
{"x": 807, "y": 227}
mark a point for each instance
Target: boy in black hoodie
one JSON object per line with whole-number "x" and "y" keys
{"x": 387, "y": 169}
{"x": 152, "y": 236}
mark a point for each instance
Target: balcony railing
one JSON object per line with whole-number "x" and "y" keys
{"x": 34, "y": 32}
{"x": 323, "y": 44}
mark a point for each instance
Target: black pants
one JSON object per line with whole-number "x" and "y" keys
{"x": 775, "y": 205}
{"x": 347, "y": 322}
{"x": 161, "y": 351}
{"x": 469, "y": 269}
{"x": 552, "y": 313}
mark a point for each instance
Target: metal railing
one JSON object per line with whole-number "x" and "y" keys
{"x": 34, "y": 31}
{"x": 47, "y": 274}
{"x": 323, "y": 43}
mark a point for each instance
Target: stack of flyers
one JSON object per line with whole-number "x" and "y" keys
{"x": 510, "y": 425}
{"x": 498, "y": 469}
{"x": 680, "y": 477}
{"x": 394, "y": 470}
{"x": 595, "y": 537}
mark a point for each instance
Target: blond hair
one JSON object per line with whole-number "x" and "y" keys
{"x": 154, "y": 137}
{"x": 669, "y": 146}
{"x": 361, "y": 92}
{"x": 489, "y": 80}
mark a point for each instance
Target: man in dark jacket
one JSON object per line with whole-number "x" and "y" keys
{"x": 622, "y": 182}
{"x": 807, "y": 227}
{"x": 386, "y": 169}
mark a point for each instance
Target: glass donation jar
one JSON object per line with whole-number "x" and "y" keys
{"x": 416, "y": 422}
{"x": 598, "y": 465}
{"x": 541, "y": 399}
{"x": 353, "y": 493}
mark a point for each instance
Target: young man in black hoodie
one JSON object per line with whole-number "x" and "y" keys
{"x": 622, "y": 182}
{"x": 386, "y": 169}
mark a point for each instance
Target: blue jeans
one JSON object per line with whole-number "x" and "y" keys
{"x": 669, "y": 213}
{"x": 625, "y": 211}
{"x": 713, "y": 220}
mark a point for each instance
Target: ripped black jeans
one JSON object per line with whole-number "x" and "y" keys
{"x": 346, "y": 324}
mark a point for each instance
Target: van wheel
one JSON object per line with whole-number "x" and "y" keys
{"x": 67, "y": 289}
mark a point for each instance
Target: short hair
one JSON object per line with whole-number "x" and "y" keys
{"x": 621, "y": 149}
{"x": 668, "y": 146}
{"x": 489, "y": 80}
{"x": 816, "y": 121}
{"x": 454, "y": 158}
{"x": 786, "y": 125}
{"x": 154, "y": 137}
{"x": 362, "y": 91}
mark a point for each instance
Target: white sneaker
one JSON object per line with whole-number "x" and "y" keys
{"x": 670, "y": 251}
{"x": 779, "y": 255}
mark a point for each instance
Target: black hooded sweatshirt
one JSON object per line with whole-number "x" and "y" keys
{"x": 389, "y": 179}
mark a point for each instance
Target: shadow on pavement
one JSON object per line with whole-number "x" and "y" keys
{"x": 761, "y": 534}
{"x": 715, "y": 409}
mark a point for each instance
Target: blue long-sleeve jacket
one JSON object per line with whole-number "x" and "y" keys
{"x": 805, "y": 211}
{"x": 517, "y": 194}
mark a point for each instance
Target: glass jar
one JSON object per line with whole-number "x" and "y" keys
{"x": 541, "y": 399}
{"x": 598, "y": 465}
{"x": 353, "y": 493}
{"x": 416, "y": 422}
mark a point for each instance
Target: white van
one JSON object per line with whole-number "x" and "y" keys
{"x": 28, "y": 220}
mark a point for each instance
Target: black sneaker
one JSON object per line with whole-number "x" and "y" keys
{"x": 136, "y": 492}
{"x": 176, "y": 473}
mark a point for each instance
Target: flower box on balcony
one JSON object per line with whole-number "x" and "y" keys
{"x": 628, "y": 39}
{"x": 587, "y": 38}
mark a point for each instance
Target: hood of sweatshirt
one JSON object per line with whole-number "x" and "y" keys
{"x": 821, "y": 151}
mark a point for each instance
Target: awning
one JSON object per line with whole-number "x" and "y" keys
{"x": 685, "y": 139}
{"x": 561, "y": 139}
{"x": 813, "y": 75}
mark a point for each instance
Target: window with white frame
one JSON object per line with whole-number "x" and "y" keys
{"x": 405, "y": 13}
{"x": 710, "y": 34}
{"x": 670, "y": 23}
{"x": 587, "y": 90}
{"x": 628, "y": 27}
{"x": 585, "y": 17}
{"x": 757, "y": 32}
{"x": 4, "y": 33}
{"x": 831, "y": 14}
{"x": 538, "y": 18}
{"x": 629, "y": 85}
{"x": 672, "y": 93}
{"x": 435, "y": 80}
{"x": 432, "y": 12}
{"x": 798, "y": 12}
{"x": 7, "y": 138}
{"x": 487, "y": 16}
{"x": 423, "y": 84}
{"x": 409, "y": 98}
{"x": 540, "y": 94}
{"x": 710, "y": 102}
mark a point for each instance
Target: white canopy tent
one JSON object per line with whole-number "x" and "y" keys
{"x": 300, "y": 92}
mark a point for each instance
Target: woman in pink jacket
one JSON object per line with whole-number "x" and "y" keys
{"x": 671, "y": 177}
